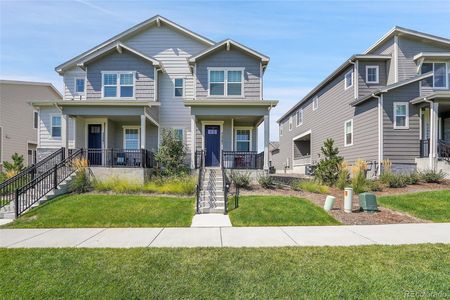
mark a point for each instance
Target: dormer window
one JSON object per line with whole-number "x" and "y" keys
{"x": 226, "y": 81}
{"x": 118, "y": 85}
{"x": 372, "y": 74}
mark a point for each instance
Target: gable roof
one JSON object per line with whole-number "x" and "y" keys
{"x": 335, "y": 73}
{"x": 410, "y": 32}
{"x": 47, "y": 84}
{"x": 227, "y": 43}
{"x": 391, "y": 87}
{"x": 156, "y": 20}
{"x": 119, "y": 47}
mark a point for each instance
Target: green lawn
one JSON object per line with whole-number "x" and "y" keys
{"x": 368, "y": 272}
{"x": 433, "y": 206}
{"x": 277, "y": 211}
{"x": 109, "y": 211}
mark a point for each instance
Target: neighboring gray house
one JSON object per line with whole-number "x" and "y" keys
{"x": 120, "y": 95}
{"x": 18, "y": 120}
{"x": 392, "y": 102}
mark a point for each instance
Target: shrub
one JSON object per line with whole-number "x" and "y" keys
{"x": 310, "y": 186}
{"x": 327, "y": 170}
{"x": 266, "y": 181}
{"x": 374, "y": 186}
{"x": 344, "y": 176}
{"x": 240, "y": 179}
{"x": 431, "y": 176}
{"x": 359, "y": 181}
{"x": 394, "y": 180}
{"x": 171, "y": 154}
{"x": 412, "y": 178}
{"x": 81, "y": 183}
{"x": 15, "y": 167}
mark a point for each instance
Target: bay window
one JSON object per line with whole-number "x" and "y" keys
{"x": 226, "y": 81}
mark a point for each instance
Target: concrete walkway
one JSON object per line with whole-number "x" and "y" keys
{"x": 227, "y": 236}
{"x": 211, "y": 220}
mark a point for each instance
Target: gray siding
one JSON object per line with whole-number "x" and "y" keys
{"x": 144, "y": 80}
{"x": 387, "y": 48}
{"x": 328, "y": 122}
{"x": 401, "y": 146}
{"x": 69, "y": 84}
{"x": 367, "y": 88}
{"x": 16, "y": 117}
{"x": 232, "y": 58}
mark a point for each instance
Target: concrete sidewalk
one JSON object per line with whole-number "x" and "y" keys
{"x": 227, "y": 236}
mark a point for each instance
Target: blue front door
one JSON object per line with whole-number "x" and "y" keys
{"x": 212, "y": 145}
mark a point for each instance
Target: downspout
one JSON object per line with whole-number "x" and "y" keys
{"x": 380, "y": 131}
{"x": 432, "y": 131}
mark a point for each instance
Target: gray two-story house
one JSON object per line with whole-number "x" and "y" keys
{"x": 121, "y": 95}
{"x": 391, "y": 102}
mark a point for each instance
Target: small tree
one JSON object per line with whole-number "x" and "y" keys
{"x": 327, "y": 171}
{"x": 171, "y": 154}
{"x": 15, "y": 167}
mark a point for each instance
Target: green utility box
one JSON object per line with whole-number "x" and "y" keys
{"x": 368, "y": 202}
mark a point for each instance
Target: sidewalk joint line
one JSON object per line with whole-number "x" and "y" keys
{"x": 32, "y": 237}
{"x": 363, "y": 236}
{"x": 292, "y": 239}
{"x": 151, "y": 242}
{"x": 90, "y": 237}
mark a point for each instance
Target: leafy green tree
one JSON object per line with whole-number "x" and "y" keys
{"x": 327, "y": 171}
{"x": 171, "y": 154}
{"x": 17, "y": 164}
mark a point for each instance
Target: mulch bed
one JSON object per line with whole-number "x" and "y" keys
{"x": 383, "y": 216}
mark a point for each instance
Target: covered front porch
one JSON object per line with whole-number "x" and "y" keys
{"x": 112, "y": 135}
{"x": 434, "y": 127}
{"x": 226, "y": 133}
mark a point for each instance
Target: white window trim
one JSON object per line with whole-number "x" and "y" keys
{"x": 345, "y": 80}
{"x": 75, "y": 85}
{"x": 377, "y": 68}
{"x": 299, "y": 112}
{"x": 182, "y": 132}
{"x": 118, "y": 85}
{"x": 51, "y": 126}
{"x": 315, "y": 104}
{"x": 249, "y": 128}
{"x": 290, "y": 123}
{"x": 446, "y": 75}
{"x": 225, "y": 81}
{"x": 407, "y": 115}
{"x": 345, "y": 133}
{"x": 38, "y": 118}
{"x": 139, "y": 136}
{"x": 175, "y": 87}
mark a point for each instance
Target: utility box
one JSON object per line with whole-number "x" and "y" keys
{"x": 368, "y": 202}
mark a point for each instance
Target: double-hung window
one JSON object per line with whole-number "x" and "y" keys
{"x": 118, "y": 85}
{"x": 79, "y": 86}
{"x": 35, "y": 119}
{"x": 299, "y": 117}
{"x": 372, "y": 74}
{"x": 349, "y": 79}
{"x": 290, "y": 123}
{"x": 226, "y": 82}
{"x": 179, "y": 134}
{"x": 315, "y": 103}
{"x": 348, "y": 132}
{"x": 401, "y": 113}
{"x": 281, "y": 129}
{"x": 243, "y": 139}
{"x": 131, "y": 138}
{"x": 439, "y": 79}
{"x": 179, "y": 87}
{"x": 56, "y": 126}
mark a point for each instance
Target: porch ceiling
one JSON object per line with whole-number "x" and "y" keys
{"x": 236, "y": 119}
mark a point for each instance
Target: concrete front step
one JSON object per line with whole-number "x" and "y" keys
{"x": 212, "y": 210}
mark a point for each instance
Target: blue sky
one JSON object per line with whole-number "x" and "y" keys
{"x": 306, "y": 40}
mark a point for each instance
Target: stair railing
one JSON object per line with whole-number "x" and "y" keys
{"x": 35, "y": 189}
{"x": 8, "y": 187}
{"x": 225, "y": 185}
{"x": 444, "y": 150}
{"x": 201, "y": 174}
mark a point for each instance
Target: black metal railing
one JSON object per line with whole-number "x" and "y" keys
{"x": 201, "y": 174}
{"x": 225, "y": 188}
{"x": 116, "y": 158}
{"x": 444, "y": 150}
{"x": 424, "y": 148}
{"x": 37, "y": 188}
{"x": 8, "y": 187}
{"x": 242, "y": 160}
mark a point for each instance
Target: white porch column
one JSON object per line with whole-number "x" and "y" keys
{"x": 193, "y": 134}
{"x": 266, "y": 141}
{"x": 434, "y": 107}
{"x": 65, "y": 133}
{"x": 143, "y": 135}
